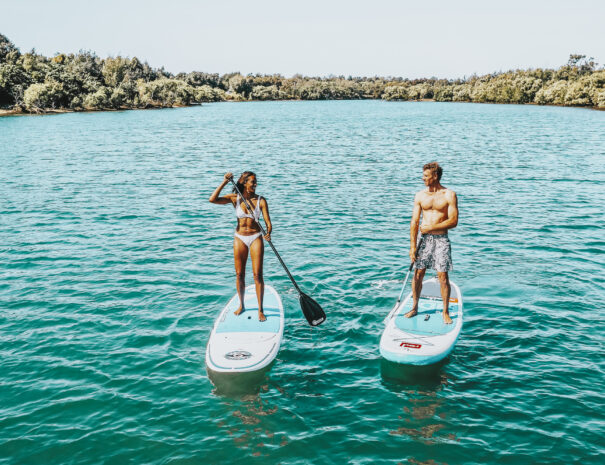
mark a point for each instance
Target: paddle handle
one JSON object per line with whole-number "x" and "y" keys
{"x": 264, "y": 234}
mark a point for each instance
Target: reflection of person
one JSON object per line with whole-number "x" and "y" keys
{"x": 247, "y": 234}
{"x": 439, "y": 208}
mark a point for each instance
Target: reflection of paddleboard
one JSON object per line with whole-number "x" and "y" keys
{"x": 424, "y": 338}
{"x": 241, "y": 343}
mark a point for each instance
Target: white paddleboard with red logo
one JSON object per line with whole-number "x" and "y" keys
{"x": 423, "y": 339}
{"x": 241, "y": 343}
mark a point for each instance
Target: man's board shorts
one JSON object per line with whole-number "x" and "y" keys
{"x": 435, "y": 252}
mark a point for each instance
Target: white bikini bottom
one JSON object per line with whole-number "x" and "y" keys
{"x": 248, "y": 240}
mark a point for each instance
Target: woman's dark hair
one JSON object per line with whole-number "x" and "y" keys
{"x": 242, "y": 180}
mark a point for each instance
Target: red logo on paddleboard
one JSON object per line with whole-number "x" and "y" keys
{"x": 410, "y": 345}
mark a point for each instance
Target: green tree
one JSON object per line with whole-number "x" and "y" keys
{"x": 197, "y": 79}
{"x": 396, "y": 92}
{"x": 206, "y": 93}
{"x": 6, "y": 47}
{"x": 462, "y": 92}
{"x": 553, "y": 94}
{"x": 100, "y": 99}
{"x": 444, "y": 94}
{"x": 39, "y": 97}
{"x": 165, "y": 92}
{"x": 13, "y": 82}
{"x": 265, "y": 93}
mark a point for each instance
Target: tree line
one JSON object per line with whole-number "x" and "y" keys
{"x": 30, "y": 82}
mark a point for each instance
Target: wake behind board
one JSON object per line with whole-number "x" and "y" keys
{"x": 423, "y": 339}
{"x": 241, "y": 343}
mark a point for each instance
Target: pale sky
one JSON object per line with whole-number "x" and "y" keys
{"x": 404, "y": 38}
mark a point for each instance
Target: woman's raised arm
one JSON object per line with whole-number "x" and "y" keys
{"x": 214, "y": 198}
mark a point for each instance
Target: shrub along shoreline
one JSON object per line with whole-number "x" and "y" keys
{"x": 33, "y": 83}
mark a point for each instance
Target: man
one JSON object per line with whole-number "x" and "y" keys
{"x": 439, "y": 208}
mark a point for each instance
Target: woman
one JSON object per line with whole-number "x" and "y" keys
{"x": 247, "y": 234}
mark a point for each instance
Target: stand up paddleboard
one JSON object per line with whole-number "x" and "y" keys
{"x": 241, "y": 343}
{"x": 423, "y": 339}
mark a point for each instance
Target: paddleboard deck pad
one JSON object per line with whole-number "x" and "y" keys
{"x": 423, "y": 339}
{"x": 242, "y": 343}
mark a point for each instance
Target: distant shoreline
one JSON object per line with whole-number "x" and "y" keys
{"x": 35, "y": 84}
{"x": 12, "y": 112}
{"x": 60, "y": 111}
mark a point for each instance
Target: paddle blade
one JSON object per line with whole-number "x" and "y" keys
{"x": 311, "y": 309}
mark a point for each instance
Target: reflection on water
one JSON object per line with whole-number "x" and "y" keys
{"x": 413, "y": 461}
{"x": 396, "y": 376}
{"x": 249, "y": 427}
{"x": 423, "y": 413}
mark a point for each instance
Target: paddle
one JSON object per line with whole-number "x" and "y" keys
{"x": 311, "y": 309}
{"x": 388, "y": 317}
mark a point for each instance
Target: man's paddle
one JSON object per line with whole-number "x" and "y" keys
{"x": 311, "y": 309}
{"x": 388, "y": 317}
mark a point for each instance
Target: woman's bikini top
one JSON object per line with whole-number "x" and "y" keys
{"x": 239, "y": 212}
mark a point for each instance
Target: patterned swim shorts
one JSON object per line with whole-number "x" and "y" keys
{"x": 434, "y": 252}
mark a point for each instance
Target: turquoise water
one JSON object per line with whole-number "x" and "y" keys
{"x": 114, "y": 266}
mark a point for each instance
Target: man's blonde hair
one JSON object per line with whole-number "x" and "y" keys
{"x": 435, "y": 168}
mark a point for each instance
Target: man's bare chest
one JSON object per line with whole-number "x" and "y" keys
{"x": 433, "y": 202}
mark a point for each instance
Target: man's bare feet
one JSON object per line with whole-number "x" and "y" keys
{"x": 446, "y": 318}
{"x": 411, "y": 313}
{"x": 239, "y": 311}
{"x": 261, "y": 316}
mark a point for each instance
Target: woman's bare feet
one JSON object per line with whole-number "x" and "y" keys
{"x": 261, "y": 316}
{"x": 446, "y": 318}
{"x": 240, "y": 310}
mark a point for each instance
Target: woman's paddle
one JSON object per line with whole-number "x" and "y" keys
{"x": 388, "y": 317}
{"x": 311, "y": 309}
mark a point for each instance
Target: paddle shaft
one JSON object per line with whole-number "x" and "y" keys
{"x": 410, "y": 269}
{"x": 406, "y": 280}
{"x": 264, "y": 234}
